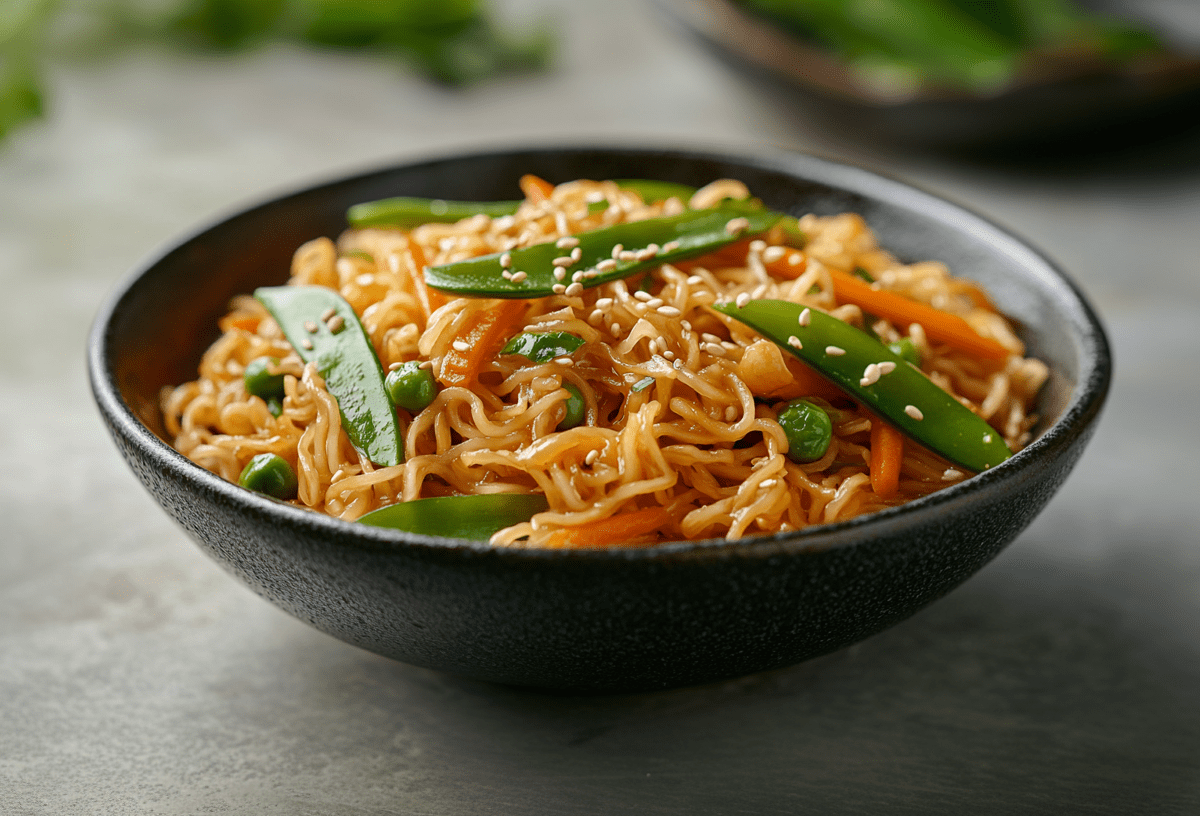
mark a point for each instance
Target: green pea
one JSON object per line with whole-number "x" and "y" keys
{"x": 808, "y": 429}
{"x": 259, "y": 380}
{"x": 575, "y": 406}
{"x": 907, "y": 350}
{"x": 411, "y": 387}
{"x": 271, "y": 475}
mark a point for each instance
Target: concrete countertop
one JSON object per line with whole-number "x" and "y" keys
{"x": 137, "y": 677}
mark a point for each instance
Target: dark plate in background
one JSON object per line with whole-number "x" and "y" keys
{"x": 1058, "y": 101}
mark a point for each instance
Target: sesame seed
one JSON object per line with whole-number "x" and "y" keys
{"x": 834, "y": 351}
{"x": 743, "y": 299}
{"x": 566, "y": 242}
{"x": 670, "y": 246}
{"x": 758, "y": 245}
{"x": 646, "y": 254}
{"x": 506, "y": 274}
{"x": 425, "y": 365}
{"x": 563, "y": 260}
{"x": 669, "y": 311}
{"x": 914, "y": 412}
{"x": 558, "y": 289}
{"x": 805, "y": 317}
{"x": 577, "y": 276}
{"x": 794, "y": 342}
{"x": 336, "y": 324}
{"x": 560, "y": 273}
{"x": 576, "y": 254}
{"x": 709, "y": 338}
{"x": 773, "y": 253}
{"x": 951, "y": 474}
{"x": 519, "y": 277}
{"x": 591, "y": 457}
{"x": 687, "y": 327}
{"x": 616, "y": 329}
{"x": 886, "y": 367}
{"x": 328, "y": 313}
{"x": 642, "y": 296}
{"x": 694, "y": 280}
{"x": 604, "y": 303}
{"x": 460, "y": 345}
{"x": 670, "y": 355}
{"x": 795, "y": 259}
{"x": 595, "y": 317}
{"x": 310, "y": 326}
{"x": 564, "y": 361}
{"x": 617, "y": 250}
{"x": 654, "y": 303}
{"x": 575, "y": 289}
{"x": 607, "y": 265}
{"x": 394, "y": 366}
{"x": 627, "y": 255}
{"x": 715, "y": 349}
{"x": 308, "y": 344}
{"x": 735, "y": 225}
{"x": 506, "y": 260}
{"x": 870, "y": 375}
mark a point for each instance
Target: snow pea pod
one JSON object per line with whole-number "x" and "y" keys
{"x": 878, "y": 378}
{"x": 662, "y": 240}
{"x": 474, "y": 517}
{"x": 324, "y": 329}
{"x": 405, "y": 212}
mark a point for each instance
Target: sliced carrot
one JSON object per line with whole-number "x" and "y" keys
{"x": 483, "y": 337}
{"x": 247, "y": 323}
{"x": 729, "y": 255}
{"x": 413, "y": 267}
{"x": 536, "y": 189}
{"x": 887, "y": 455}
{"x": 614, "y": 530}
{"x": 939, "y": 326}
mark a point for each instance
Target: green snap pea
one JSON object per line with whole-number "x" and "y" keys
{"x": 411, "y": 387}
{"x": 474, "y": 517}
{"x": 271, "y": 475}
{"x": 808, "y": 428}
{"x": 261, "y": 382}
{"x": 878, "y": 378}
{"x": 691, "y": 233}
{"x": 575, "y": 408}
{"x": 542, "y": 347}
{"x": 907, "y": 350}
{"x": 324, "y": 329}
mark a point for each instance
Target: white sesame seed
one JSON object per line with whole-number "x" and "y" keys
{"x": 687, "y": 327}
{"x": 308, "y": 344}
{"x": 336, "y": 324}
{"x": 577, "y": 276}
{"x": 310, "y": 326}
{"x": 758, "y": 245}
{"x": 654, "y": 303}
{"x": 617, "y": 250}
{"x": 460, "y": 345}
{"x": 669, "y": 311}
{"x": 709, "y": 338}
{"x": 736, "y": 225}
{"x": 576, "y": 254}
{"x": 773, "y": 253}
{"x": 627, "y": 255}
{"x": 595, "y": 317}
{"x": 604, "y": 303}
{"x": 794, "y": 342}
{"x": 670, "y": 355}
{"x": 506, "y": 260}
{"x": 642, "y": 296}
{"x": 694, "y": 280}
{"x": 560, "y": 273}
{"x": 950, "y": 474}
{"x": 558, "y": 288}
{"x": 743, "y": 299}
{"x": 715, "y": 349}
{"x": 607, "y": 265}
{"x": 564, "y": 361}
{"x": 394, "y": 366}
{"x": 805, "y": 317}
{"x": 426, "y": 365}
{"x": 563, "y": 260}
{"x": 328, "y": 313}
{"x": 646, "y": 254}
{"x": 575, "y": 289}
{"x": 566, "y": 242}
{"x": 504, "y": 273}
{"x": 670, "y": 246}
{"x": 795, "y": 259}
{"x": 886, "y": 367}
{"x": 834, "y": 351}
{"x": 914, "y": 412}
{"x": 615, "y": 329}
{"x": 870, "y": 375}
{"x": 519, "y": 277}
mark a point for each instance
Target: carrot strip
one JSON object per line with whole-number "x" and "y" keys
{"x": 887, "y": 454}
{"x": 413, "y": 267}
{"x": 614, "y": 530}
{"x": 485, "y": 336}
{"x": 729, "y": 255}
{"x": 249, "y": 324}
{"x": 940, "y": 326}
{"x": 536, "y": 189}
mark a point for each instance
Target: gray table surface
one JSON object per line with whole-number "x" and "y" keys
{"x": 137, "y": 677}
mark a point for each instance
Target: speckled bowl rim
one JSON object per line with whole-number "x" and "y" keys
{"x": 1082, "y": 409}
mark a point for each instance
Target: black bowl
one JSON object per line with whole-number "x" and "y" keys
{"x": 669, "y": 615}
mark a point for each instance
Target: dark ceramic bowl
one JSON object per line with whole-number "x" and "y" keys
{"x": 669, "y": 615}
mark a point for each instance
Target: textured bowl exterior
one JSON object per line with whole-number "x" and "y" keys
{"x": 595, "y": 620}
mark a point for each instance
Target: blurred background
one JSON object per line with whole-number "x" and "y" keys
{"x": 136, "y": 677}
